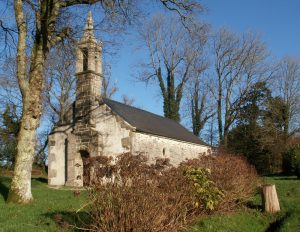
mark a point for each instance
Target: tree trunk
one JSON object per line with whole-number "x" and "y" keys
{"x": 219, "y": 114}
{"x": 270, "y": 199}
{"x": 20, "y": 189}
{"x": 225, "y": 140}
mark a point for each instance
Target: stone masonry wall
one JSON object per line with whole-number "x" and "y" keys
{"x": 115, "y": 133}
{"x": 57, "y": 155}
{"x": 154, "y": 147}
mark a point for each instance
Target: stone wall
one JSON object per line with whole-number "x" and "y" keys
{"x": 57, "y": 149}
{"x": 154, "y": 147}
{"x": 115, "y": 133}
{"x": 102, "y": 134}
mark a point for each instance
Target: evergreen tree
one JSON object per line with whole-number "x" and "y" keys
{"x": 259, "y": 133}
{"x": 9, "y": 129}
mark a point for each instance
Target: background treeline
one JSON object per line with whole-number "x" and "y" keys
{"x": 228, "y": 88}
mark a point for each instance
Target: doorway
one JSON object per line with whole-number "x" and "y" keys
{"x": 86, "y": 176}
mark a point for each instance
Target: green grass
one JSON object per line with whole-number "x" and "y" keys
{"x": 253, "y": 219}
{"x": 40, "y": 215}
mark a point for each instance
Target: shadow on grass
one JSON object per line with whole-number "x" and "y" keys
{"x": 276, "y": 225}
{"x": 69, "y": 220}
{"x": 252, "y": 205}
{"x": 286, "y": 178}
{"x": 4, "y": 190}
{"x": 41, "y": 179}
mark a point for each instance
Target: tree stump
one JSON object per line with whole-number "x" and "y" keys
{"x": 270, "y": 199}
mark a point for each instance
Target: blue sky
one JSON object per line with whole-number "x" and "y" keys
{"x": 277, "y": 21}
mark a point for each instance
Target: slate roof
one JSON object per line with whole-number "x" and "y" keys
{"x": 150, "y": 123}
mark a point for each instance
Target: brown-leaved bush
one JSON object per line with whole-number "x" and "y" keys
{"x": 232, "y": 174}
{"x": 133, "y": 195}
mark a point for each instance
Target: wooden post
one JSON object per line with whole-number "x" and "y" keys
{"x": 270, "y": 199}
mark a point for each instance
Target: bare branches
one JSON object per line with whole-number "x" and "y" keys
{"x": 173, "y": 52}
{"x": 33, "y": 5}
{"x": 185, "y": 9}
{"x": 60, "y": 82}
{"x": 287, "y": 86}
{"x": 108, "y": 88}
{"x": 127, "y": 100}
{"x": 64, "y": 33}
{"x": 239, "y": 63}
{"x": 68, "y": 3}
{"x": 9, "y": 32}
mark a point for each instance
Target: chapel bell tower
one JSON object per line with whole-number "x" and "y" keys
{"x": 88, "y": 71}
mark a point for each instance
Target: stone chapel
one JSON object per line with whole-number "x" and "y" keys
{"x": 96, "y": 126}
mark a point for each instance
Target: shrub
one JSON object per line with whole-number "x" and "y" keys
{"x": 133, "y": 195}
{"x": 232, "y": 175}
{"x": 207, "y": 192}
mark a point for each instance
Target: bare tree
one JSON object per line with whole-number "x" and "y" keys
{"x": 109, "y": 88}
{"x": 127, "y": 100}
{"x": 60, "y": 82}
{"x": 40, "y": 26}
{"x": 200, "y": 105}
{"x": 239, "y": 62}
{"x": 287, "y": 86}
{"x": 198, "y": 96}
{"x": 172, "y": 52}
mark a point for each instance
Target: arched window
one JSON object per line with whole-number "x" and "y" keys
{"x": 84, "y": 154}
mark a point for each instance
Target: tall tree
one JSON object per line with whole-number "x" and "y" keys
{"x": 48, "y": 18}
{"x": 259, "y": 132}
{"x": 239, "y": 62}
{"x": 273, "y": 137}
{"x": 172, "y": 52}
{"x": 245, "y": 137}
{"x": 200, "y": 105}
{"x": 197, "y": 94}
{"x": 287, "y": 86}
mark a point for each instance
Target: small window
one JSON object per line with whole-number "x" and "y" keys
{"x": 85, "y": 55}
{"x": 164, "y": 151}
{"x": 96, "y": 63}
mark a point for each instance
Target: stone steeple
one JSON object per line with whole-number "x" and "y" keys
{"x": 88, "y": 70}
{"x": 84, "y": 140}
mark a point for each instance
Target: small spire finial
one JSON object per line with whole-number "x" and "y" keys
{"x": 89, "y": 22}
{"x": 89, "y": 27}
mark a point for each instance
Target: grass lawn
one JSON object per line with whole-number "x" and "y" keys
{"x": 41, "y": 214}
{"x": 253, "y": 219}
